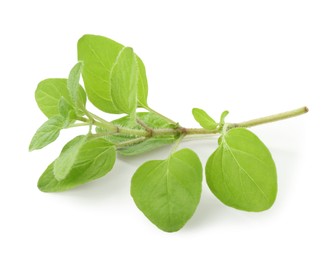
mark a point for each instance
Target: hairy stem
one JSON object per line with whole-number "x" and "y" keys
{"x": 141, "y": 135}
{"x": 272, "y": 118}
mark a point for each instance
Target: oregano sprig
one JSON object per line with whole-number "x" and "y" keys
{"x": 241, "y": 172}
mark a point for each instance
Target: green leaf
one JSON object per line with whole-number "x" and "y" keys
{"x": 67, "y": 112}
{"x": 204, "y": 119}
{"x": 95, "y": 159}
{"x": 150, "y": 119}
{"x": 99, "y": 55}
{"x": 241, "y": 172}
{"x": 47, "y": 133}
{"x": 65, "y": 108}
{"x": 168, "y": 191}
{"x": 124, "y": 80}
{"x": 49, "y": 93}
{"x": 222, "y": 117}
{"x": 68, "y": 157}
{"x": 73, "y": 86}
{"x": 142, "y": 84}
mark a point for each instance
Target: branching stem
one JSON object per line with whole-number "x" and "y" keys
{"x": 140, "y": 135}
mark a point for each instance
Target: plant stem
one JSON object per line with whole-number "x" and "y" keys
{"x": 272, "y": 118}
{"x": 131, "y": 142}
{"x": 142, "y": 134}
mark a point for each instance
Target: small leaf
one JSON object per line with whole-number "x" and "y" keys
{"x": 64, "y": 108}
{"x": 95, "y": 159}
{"x": 124, "y": 80}
{"x": 168, "y": 191}
{"x": 222, "y": 117}
{"x": 67, "y": 112}
{"x": 204, "y": 119}
{"x": 49, "y": 93}
{"x": 68, "y": 157}
{"x": 73, "y": 86}
{"x": 142, "y": 84}
{"x": 241, "y": 172}
{"x": 47, "y": 133}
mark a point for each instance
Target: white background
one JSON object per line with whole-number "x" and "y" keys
{"x": 253, "y": 58}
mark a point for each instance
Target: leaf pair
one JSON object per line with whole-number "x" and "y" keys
{"x": 206, "y": 121}
{"x": 81, "y": 160}
{"x": 114, "y": 76}
{"x": 62, "y": 101}
{"x": 49, "y": 93}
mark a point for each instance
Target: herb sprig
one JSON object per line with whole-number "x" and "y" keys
{"x": 241, "y": 172}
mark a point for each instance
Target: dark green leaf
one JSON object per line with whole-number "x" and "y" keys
{"x": 204, "y": 119}
{"x": 47, "y": 133}
{"x": 241, "y": 172}
{"x": 168, "y": 191}
{"x": 95, "y": 159}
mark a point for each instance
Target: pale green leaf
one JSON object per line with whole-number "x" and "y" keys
{"x": 65, "y": 108}
{"x": 204, "y": 119}
{"x": 47, "y": 133}
{"x": 142, "y": 84}
{"x": 67, "y": 112}
{"x": 222, "y": 117}
{"x": 99, "y": 55}
{"x": 95, "y": 159}
{"x": 241, "y": 172}
{"x": 168, "y": 191}
{"x": 68, "y": 157}
{"x": 49, "y": 93}
{"x": 124, "y": 80}
{"x": 73, "y": 87}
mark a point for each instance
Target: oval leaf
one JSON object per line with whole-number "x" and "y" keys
{"x": 99, "y": 55}
{"x": 49, "y": 93}
{"x": 204, "y": 119}
{"x": 241, "y": 172}
{"x": 68, "y": 157}
{"x": 95, "y": 159}
{"x": 168, "y": 191}
{"x": 47, "y": 133}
